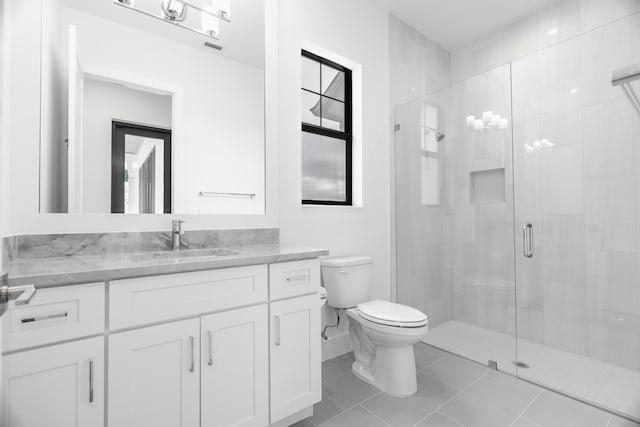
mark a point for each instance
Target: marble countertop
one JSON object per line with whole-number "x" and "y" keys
{"x": 57, "y": 271}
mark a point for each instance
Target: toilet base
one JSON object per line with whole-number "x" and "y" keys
{"x": 395, "y": 371}
{"x": 385, "y": 361}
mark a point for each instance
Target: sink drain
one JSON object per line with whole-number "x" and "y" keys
{"x": 519, "y": 364}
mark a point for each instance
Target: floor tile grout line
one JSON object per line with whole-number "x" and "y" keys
{"x": 430, "y": 364}
{"x": 451, "y": 398}
{"x": 337, "y": 376}
{"x": 350, "y": 408}
{"x": 532, "y": 422}
{"x": 521, "y": 415}
{"x": 449, "y": 384}
{"x": 376, "y": 416}
{"x": 449, "y": 418}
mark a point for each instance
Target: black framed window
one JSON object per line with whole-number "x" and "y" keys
{"x": 326, "y": 131}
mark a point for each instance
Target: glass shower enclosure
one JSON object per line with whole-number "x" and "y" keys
{"x": 517, "y": 205}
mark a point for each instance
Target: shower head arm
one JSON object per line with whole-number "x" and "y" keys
{"x": 623, "y": 77}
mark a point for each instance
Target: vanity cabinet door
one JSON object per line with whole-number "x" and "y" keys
{"x": 295, "y": 355}
{"x": 234, "y": 372}
{"x": 57, "y": 386}
{"x": 154, "y": 376}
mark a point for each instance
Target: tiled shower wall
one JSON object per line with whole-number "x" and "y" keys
{"x": 581, "y": 291}
{"x": 483, "y": 229}
{"x": 418, "y": 67}
{"x": 459, "y": 260}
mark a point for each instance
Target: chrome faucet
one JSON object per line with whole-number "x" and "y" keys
{"x": 176, "y": 234}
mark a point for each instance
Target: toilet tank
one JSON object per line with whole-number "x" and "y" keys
{"x": 347, "y": 280}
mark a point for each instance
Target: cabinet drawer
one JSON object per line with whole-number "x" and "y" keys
{"x": 152, "y": 299}
{"x": 290, "y": 279}
{"x": 55, "y": 314}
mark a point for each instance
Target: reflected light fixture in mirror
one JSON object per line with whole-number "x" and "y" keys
{"x": 174, "y": 10}
{"x": 177, "y": 12}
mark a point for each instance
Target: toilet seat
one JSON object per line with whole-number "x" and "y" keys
{"x": 392, "y": 314}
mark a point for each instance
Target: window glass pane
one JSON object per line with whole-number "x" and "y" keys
{"x": 332, "y": 82}
{"x": 310, "y": 108}
{"x": 332, "y": 114}
{"x": 310, "y": 74}
{"x": 324, "y": 168}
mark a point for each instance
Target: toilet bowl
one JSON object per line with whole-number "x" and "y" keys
{"x": 383, "y": 333}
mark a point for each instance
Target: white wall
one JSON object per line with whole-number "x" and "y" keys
{"x": 104, "y": 102}
{"x": 357, "y": 31}
{"x": 24, "y": 64}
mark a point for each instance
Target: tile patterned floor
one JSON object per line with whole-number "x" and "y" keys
{"x": 452, "y": 392}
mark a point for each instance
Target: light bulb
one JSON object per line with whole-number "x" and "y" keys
{"x": 470, "y": 120}
{"x": 504, "y": 123}
{"x": 174, "y": 10}
{"x": 495, "y": 120}
{"x": 487, "y": 116}
{"x": 478, "y": 124}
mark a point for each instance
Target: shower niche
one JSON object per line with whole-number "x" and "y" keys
{"x": 487, "y": 186}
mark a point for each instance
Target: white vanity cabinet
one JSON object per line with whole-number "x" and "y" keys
{"x": 295, "y": 355}
{"x": 214, "y": 348}
{"x": 60, "y": 385}
{"x": 154, "y": 376}
{"x": 294, "y": 343}
{"x": 235, "y": 368}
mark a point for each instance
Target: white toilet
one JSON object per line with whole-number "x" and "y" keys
{"x": 383, "y": 332}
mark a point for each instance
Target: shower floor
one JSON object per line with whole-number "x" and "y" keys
{"x": 594, "y": 381}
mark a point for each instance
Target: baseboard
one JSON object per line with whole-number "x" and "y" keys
{"x": 336, "y": 346}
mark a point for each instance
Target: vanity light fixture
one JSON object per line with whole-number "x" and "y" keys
{"x": 176, "y": 12}
{"x": 487, "y": 122}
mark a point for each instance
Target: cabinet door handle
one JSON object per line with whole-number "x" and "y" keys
{"x": 90, "y": 380}
{"x": 45, "y": 317}
{"x": 277, "y": 331}
{"x": 297, "y": 278}
{"x": 210, "y": 334}
{"x": 192, "y": 366}
{"x": 527, "y": 240}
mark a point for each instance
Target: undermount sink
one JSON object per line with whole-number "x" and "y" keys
{"x": 186, "y": 253}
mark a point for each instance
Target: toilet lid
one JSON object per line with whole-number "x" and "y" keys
{"x": 393, "y": 314}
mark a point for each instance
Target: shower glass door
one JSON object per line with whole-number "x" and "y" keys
{"x": 454, "y": 217}
{"x": 576, "y": 174}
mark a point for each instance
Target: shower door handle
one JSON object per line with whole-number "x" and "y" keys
{"x": 527, "y": 240}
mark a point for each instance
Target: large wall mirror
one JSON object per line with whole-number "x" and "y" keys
{"x": 152, "y": 107}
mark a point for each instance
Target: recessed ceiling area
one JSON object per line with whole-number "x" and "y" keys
{"x": 455, "y": 23}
